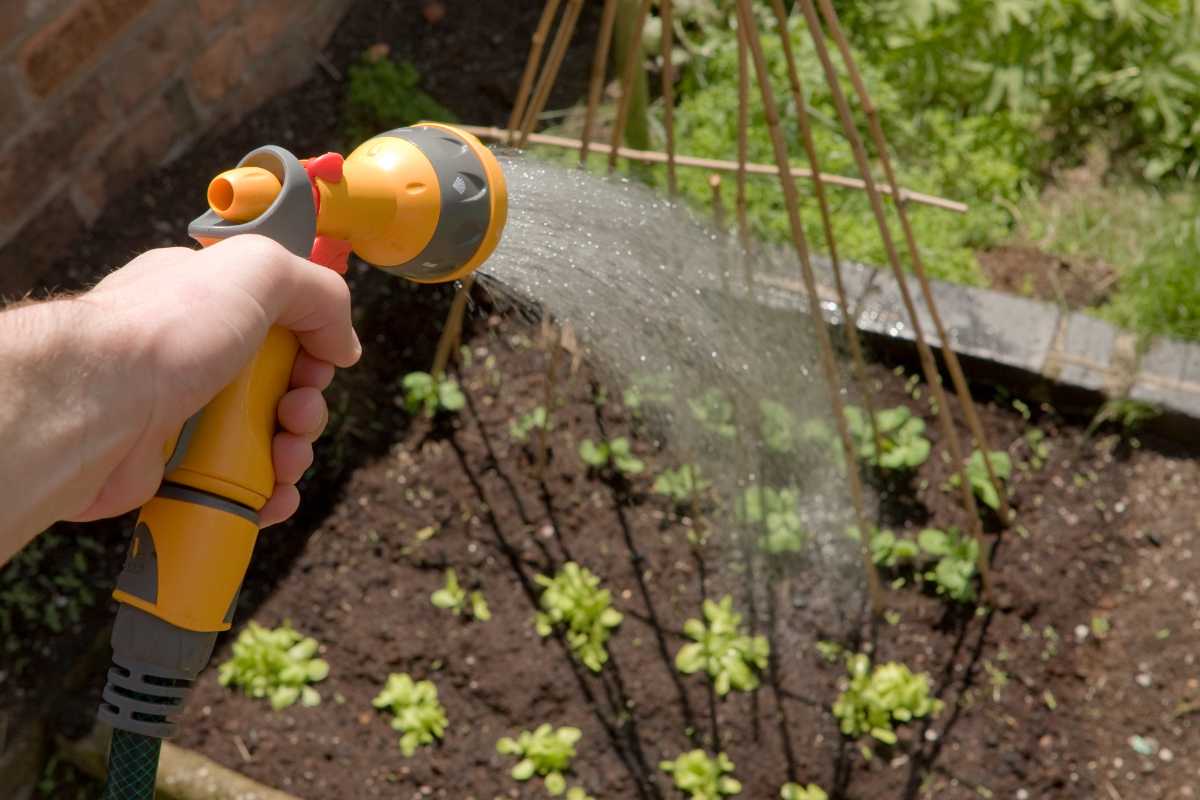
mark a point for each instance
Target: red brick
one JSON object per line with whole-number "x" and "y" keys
{"x": 13, "y": 109}
{"x": 220, "y": 67}
{"x": 213, "y": 11}
{"x": 320, "y": 28}
{"x": 57, "y": 51}
{"x": 138, "y": 149}
{"x": 150, "y": 59}
{"x": 266, "y": 21}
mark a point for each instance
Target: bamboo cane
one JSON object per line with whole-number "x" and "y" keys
{"x": 829, "y": 364}
{"x": 562, "y": 39}
{"x": 668, "y": 90}
{"x": 714, "y": 184}
{"x": 599, "y": 70}
{"x": 632, "y": 59}
{"x": 531, "y": 66}
{"x": 914, "y": 255}
{"x": 928, "y": 364}
{"x": 453, "y": 327}
{"x": 743, "y": 125}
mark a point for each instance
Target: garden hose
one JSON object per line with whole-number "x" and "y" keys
{"x": 427, "y": 203}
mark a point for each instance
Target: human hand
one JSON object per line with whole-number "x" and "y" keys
{"x": 182, "y": 323}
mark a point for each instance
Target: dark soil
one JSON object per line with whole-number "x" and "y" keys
{"x": 1028, "y": 271}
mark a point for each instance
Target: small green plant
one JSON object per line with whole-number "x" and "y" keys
{"x": 889, "y": 550}
{"x": 877, "y": 698}
{"x": 779, "y": 430}
{"x": 424, "y": 395}
{"x": 651, "y": 389}
{"x": 617, "y": 452}
{"x": 578, "y": 793}
{"x": 701, "y": 776}
{"x": 714, "y": 412}
{"x": 1128, "y": 414}
{"x": 794, "y": 791}
{"x": 957, "y": 556}
{"x": 682, "y": 485}
{"x": 977, "y": 475}
{"x": 276, "y": 664}
{"x": 455, "y": 598}
{"x": 45, "y": 587}
{"x": 574, "y": 601}
{"x": 546, "y": 752}
{"x": 720, "y": 647}
{"x": 415, "y": 709}
{"x": 901, "y": 434}
{"x": 534, "y": 420}
{"x": 383, "y": 94}
{"x": 777, "y": 511}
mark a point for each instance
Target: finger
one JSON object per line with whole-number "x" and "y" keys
{"x": 309, "y": 371}
{"x": 283, "y": 503}
{"x": 303, "y": 412}
{"x": 292, "y": 455}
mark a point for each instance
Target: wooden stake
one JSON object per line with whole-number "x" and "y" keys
{"x": 743, "y": 125}
{"x": 914, "y": 256}
{"x": 562, "y": 39}
{"x": 531, "y": 67}
{"x": 599, "y": 70}
{"x": 668, "y": 90}
{"x": 453, "y": 327}
{"x": 829, "y": 364}
{"x": 928, "y": 365}
{"x": 714, "y": 183}
{"x": 632, "y": 59}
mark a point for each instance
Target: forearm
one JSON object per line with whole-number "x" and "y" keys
{"x": 68, "y": 404}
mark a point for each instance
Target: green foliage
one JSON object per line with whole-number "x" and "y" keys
{"x": 384, "y": 94}
{"x": 779, "y": 430}
{"x": 978, "y": 477}
{"x": 45, "y": 587}
{"x": 1127, "y": 413}
{"x": 424, "y": 395}
{"x": 276, "y": 664}
{"x": 545, "y": 751}
{"x": 794, "y": 791}
{"x": 617, "y": 452}
{"x": 901, "y": 432}
{"x": 651, "y": 389}
{"x": 777, "y": 511}
{"x": 415, "y": 709}
{"x": 703, "y": 777}
{"x": 720, "y": 647}
{"x": 534, "y": 420}
{"x": 957, "y": 556}
{"x": 877, "y": 698}
{"x": 573, "y": 600}
{"x": 682, "y": 485}
{"x": 714, "y": 412}
{"x": 454, "y": 598}
{"x": 889, "y": 550}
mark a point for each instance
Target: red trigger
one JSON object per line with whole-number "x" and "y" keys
{"x": 330, "y": 252}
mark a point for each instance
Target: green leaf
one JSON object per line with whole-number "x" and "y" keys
{"x": 593, "y": 454}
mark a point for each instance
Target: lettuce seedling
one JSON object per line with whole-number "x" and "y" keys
{"x": 779, "y": 430}
{"x": 957, "y": 556}
{"x": 573, "y": 600}
{"x": 424, "y": 395}
{"x": 977, "y": 475}
{"x": 702, "y": 777}
{"x": 653, "y": 389}
{"x": 904, "y": 445}
{"x": 876, "y": 698}
{"x": 277, "y": 664}
{"x": 794, "y": 791}
{"x": 727, "y": 653}
{"x": 415, "y": 710}
{"x": 714, "y": 411}
{"x": 682, "y": 485}
{"x": 578, "y": 793}
{"x": 546, "y": 752}
{"x": 889, "y": 550}
{"x": 777, "y": 512}
{"x": 617, "y": 452}
{"x": 454, "y": 598}
{"x": 534, "y": 420}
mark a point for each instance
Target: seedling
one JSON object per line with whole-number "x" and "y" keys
{"x": 956, "y": 556}
{"x": 779, "y": 430}
{"x": 889, "y": 550}
{"x": 534, "y": 420}
{"x": 729, "y": 655}
{"x": 616, "y": 452}
{"x": 977, "y": 475}
{"x": 425, "y": 395}
{"x": 455, "y": 598}
{"x": 703, "y": 777}
{"x": 777, "y": 512}
{"x": 794, "y": 791}
{"x": 277, "y": 664}
{"x": 573, "y": 600}
{"x": 714, "y": 412}
{"x": 39, "y": 592}
{"x": 682, "y": 485}
{"x": 415, "y": 710}
{"x": 877, "y": 698}
{"x": 901, "y": 434}
{"x": 546, "y": 752}
{"x": 578, "y": 793}
{"x": 654, "y": 389}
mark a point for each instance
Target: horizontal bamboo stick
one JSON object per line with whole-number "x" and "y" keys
{"x": 719, "y": 165}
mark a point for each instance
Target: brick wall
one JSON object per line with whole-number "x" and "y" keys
{"x": 95, "y": 92}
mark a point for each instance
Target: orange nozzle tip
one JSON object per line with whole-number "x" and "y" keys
{"x": 242, "y": 194}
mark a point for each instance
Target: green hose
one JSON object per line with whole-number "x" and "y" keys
{"x": 132, "y": 766}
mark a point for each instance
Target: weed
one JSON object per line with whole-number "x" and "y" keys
{"x": 617, "y": 452}
{"x": 385, "y": 94}
{"x": 877, "y": 698}
{"x": 425, "y": 395}
{"x": 720, "y": 647}
{"x": 977, "y": 476}
{"x": 415, "y": 709}
{"x": 901, "y": 433}
{"x": 277, "y": 664}
{"x": 702, "y": 777}
{"x": 573, "y": 600}
{"x": 546, "y": 752}
{"x": 957, "y": 556}
{"x": 534, "y": 420}
{"x": 454, "y": 598}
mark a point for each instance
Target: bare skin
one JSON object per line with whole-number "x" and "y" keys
{"x": 92, "y": 386}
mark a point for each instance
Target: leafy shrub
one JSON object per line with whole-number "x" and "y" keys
{"x": 978, "y": 477}
{"x": 904, "y": 445}
{"x": 425, "y": 395}
{"x": 545, "y": 751}
{"x": 877, "y": 698}
{"x": 415, "y": 709}
{"x": 1161, "y": 294}
{"x": 682, "y": 485}
{"x": 957, "y": 556}
{"x": 720, "y": 647}
{"x": 573, "y": 600}
{"x": 384, "y": 94}
{"x": 703, "y": 777}
{"x": 777, "y": 511}
{"x": 454, "y": 598}
{"x": 617, "y": 452}
{"x": 714, "y": 412}
{"x": 534, "y": 420}
{"x": 277, "y": 664}
{"x": 794, "y": 791}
